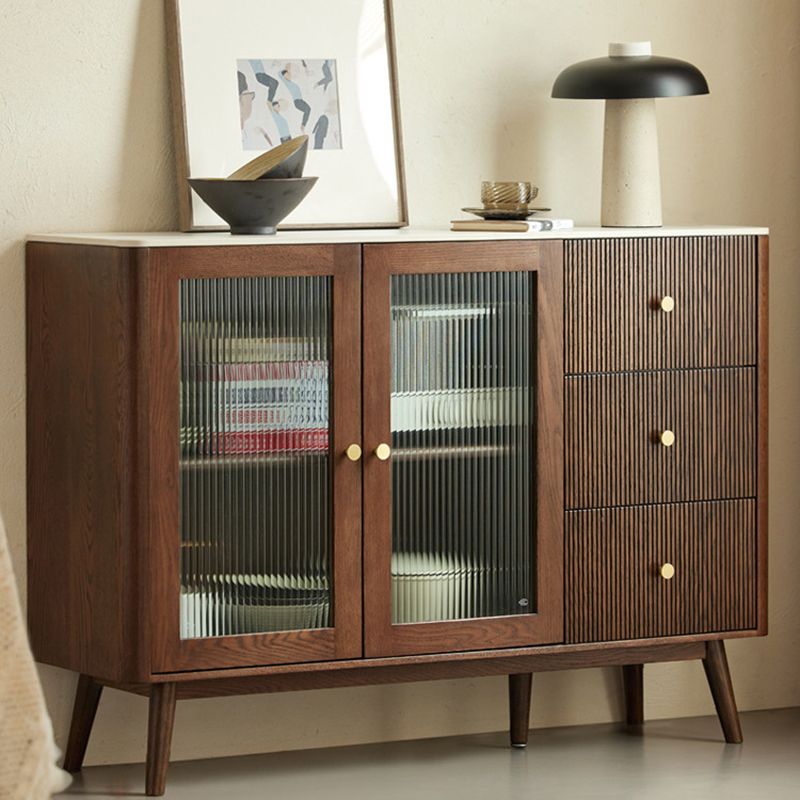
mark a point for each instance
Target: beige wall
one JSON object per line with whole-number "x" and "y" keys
{"x": 85, "y": 144}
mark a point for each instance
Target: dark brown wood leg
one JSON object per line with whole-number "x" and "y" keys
{"x": 519, "y": 707}
{"x": 719, "y": 681}
{"x": 87, "y": 698}
{"x": 159, "y": 736}
{"x": 633, "y": 683}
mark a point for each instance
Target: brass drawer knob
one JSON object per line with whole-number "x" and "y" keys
{"x": 383, "y": 451}
{"x": 667, "y": 438}
{"x": 667, "y": 571}
{"x": 667, "y": 303}
{"x": 353, "y": 452}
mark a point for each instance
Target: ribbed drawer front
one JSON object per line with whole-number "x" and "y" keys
{"x": 613, "y": 452}
{"x": 613, "y": 560}
{"x": 612, "y": 294}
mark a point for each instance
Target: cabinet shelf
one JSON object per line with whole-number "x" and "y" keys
{"x": 446, "y": 453}
{"x": 441, "y": 312}
{"x": 253, "y": 461}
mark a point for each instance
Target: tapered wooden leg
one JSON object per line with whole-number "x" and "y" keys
{"x": 519, "y": 707}
{"x": 159, "y": 736}
{"x": 87, "y": 698}
{"x": 633, "y": 683}
{"x": 719, "y": 681}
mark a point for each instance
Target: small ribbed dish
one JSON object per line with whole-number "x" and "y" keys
{"x": 507, "y": 195}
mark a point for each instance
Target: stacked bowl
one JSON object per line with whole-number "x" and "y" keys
{"x": 262, "y": 193}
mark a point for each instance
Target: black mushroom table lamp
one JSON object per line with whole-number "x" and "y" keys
{"x": 629, "y": 80}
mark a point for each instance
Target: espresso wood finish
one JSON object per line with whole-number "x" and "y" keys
{"x": 613, "y": 293}
{"x": 87, "y": 698}
{"x": 160, "y": 722}
{"x": 763, "y": 431}
{"x": 405, "y": 669}
{"x": 614, "y": 506}
{"x": 614, "y": 586}
{"x": 614, "y": 455}
{"x": 519, "y": 708}
{"x": 633, "y": 686}
{"x": 537, "y": 658}
{"x": 382, "y": 638}
{"x": 166, "y": 268}
{"x": 84, "y": 541}
{"x": 719, "y": 681}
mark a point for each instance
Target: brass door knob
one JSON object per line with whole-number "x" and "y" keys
{"x": 383, "y": 451}
{"x": 667, "y": 438}
{"x": 353, "y": 452}
{"x": 667, "y": 303}
{"x": 667, "y": 571}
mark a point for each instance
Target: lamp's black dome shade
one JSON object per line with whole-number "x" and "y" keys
{"x": 627, "y": 77}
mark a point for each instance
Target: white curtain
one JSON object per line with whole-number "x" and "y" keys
{"x": 28, "y": 752}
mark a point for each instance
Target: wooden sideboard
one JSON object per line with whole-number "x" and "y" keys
{"x": 343, "y": 458}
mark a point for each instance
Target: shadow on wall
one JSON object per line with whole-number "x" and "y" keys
{"x": 147, "y": 143}
{"x": 522, "y": 140}
{"x": 12, "y": 398}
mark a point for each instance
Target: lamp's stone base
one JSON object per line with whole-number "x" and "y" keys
{"x": 631, "y": 178}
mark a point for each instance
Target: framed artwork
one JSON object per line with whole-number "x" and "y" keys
{"x": 247, "y": 75}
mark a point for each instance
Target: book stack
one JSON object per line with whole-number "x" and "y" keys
{"x": 512, "y": 225}
{"x": 256, "y": 405}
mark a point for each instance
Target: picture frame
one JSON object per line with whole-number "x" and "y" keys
{"x": 247, "y": 75}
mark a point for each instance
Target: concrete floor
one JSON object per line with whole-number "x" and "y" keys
{"x": 681, "y": 759}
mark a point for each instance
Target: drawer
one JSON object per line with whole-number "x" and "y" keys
{"x": 613, "y": 452}
{"x": 614, "y": 586}
{"x": 612, "y": 294}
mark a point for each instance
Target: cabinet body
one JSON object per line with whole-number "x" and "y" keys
{"x": 695, "y": 367}
{"x": 271, "y": 467}
{"x": 230, "y": 509}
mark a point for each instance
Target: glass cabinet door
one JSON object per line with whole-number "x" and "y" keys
{"x": 463, "y": 552}
{"x": 462, "y": 428}
{"x": 255, "y": 467}
{"x": 258, "y": 466}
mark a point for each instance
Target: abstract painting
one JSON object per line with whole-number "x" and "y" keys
{"x": 283, "y": 98}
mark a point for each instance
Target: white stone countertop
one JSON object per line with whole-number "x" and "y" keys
{"x": 372, "y": 235}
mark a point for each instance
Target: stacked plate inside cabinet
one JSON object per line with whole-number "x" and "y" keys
{"x": 254, "y": 604}
{"x": 428, "y": 587}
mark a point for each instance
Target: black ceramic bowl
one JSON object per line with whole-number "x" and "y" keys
{"x": 255, "y": 207}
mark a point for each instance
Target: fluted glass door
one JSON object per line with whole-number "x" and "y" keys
{"x": 255, "y": 465}
{"x": 463, "y": 473}
{"x": 254, "y": 512}
{"x": 462, "y": 426}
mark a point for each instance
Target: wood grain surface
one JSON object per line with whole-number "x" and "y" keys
{"x": 613, "y": 423}
{"x": 613, "y": 290}
{"x": 615, "y": 591}
{"x": 367, "y": 672}
{"x": 763, "y": 433}
{"x": 83, "y": 531}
